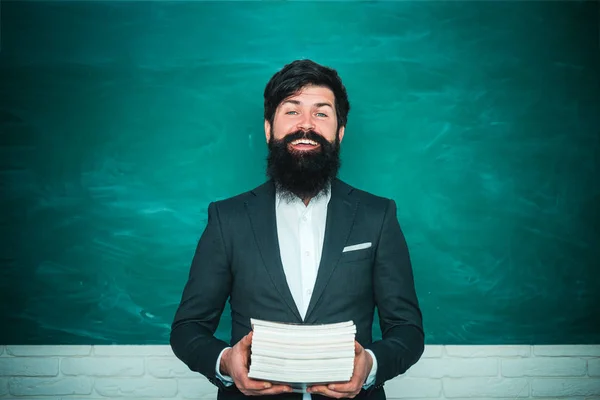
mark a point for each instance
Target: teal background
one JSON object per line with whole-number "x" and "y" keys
{"x": 121, "y": 121}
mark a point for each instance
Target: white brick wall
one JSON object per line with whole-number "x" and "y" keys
{"x": 445, "y": 372}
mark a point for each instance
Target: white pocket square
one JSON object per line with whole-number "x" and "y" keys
{"x": 357, "y": 247}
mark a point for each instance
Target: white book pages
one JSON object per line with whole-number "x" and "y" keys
{"x": 315, "y": 371}
{"x": 297, "y": 378}
{"x": 310, "y": 327}
{"x": 296, "y": 341}
{"x": 306, "y": 333}
{"x": 330, "y": 337}
{"x": 303, "y": 347}
{"x": 299, "y": 356}
{"x": 302, "y": 353}
{"x": 299, "y": 363}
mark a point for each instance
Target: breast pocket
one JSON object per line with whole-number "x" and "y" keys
{"x": 357, "y": 252}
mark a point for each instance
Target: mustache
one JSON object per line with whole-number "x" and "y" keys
{"x": 311, "y": 135}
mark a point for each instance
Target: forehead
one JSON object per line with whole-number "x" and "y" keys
{"x": 310, "y": 95}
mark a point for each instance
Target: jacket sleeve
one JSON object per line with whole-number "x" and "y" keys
{"x": 400, "y": 319}
{"x": 204, "y": 296}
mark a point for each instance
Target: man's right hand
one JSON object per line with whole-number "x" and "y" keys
{"x": 234, "y": 363}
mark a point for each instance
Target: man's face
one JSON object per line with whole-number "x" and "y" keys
{"x": 311, "y": 109}
{"x": 303, "y": 148}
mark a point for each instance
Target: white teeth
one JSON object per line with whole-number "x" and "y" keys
{"x": 304, "y": 141}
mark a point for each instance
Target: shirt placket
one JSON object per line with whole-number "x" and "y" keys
{"x": 307, "y": 249}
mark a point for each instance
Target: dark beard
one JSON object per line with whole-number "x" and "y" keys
{"x": 305, "y": 174}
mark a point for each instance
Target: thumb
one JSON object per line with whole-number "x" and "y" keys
{"x": 248, "y": 339}
{"x": 357, "y": 347}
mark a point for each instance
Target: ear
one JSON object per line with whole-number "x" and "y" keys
{"x": 267, "y": 130}
{"x": 341, "y": 132}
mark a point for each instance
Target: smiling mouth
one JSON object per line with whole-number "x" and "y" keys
{"x": 304, "y": 145}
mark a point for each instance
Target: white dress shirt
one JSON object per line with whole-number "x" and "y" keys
{"x": 301, "y": 231}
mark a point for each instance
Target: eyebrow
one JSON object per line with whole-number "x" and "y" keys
{"x": 317, "y": 105}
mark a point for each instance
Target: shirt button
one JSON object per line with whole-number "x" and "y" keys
{"x": 304, "y": 218}
{"x": 307, "y": 253}
{"x": 309, "y": 292}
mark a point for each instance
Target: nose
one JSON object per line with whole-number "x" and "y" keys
{"x": 306, "y": 124}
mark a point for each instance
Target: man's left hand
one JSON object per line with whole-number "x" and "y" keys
{"x": 363, "y": 362}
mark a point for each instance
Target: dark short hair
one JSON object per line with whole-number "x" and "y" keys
{"x": 298, "y": 74}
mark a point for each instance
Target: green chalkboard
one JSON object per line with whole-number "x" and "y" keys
{"x": 121, "y": 121}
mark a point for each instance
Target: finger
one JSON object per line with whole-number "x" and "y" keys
{"x": 248, "y": 339}
{"x": 323, "y": 390}
{"x": 349, "y": 387}
{"x": 255, "y": 385}
{"x": 357, "y": 347}
{"x": 316, "y": 388}
{"x": 275, "y": 389}
{"x": 329, "y": 388}
{"x": 246, "y": 344}
{"x": 262, "y": 386}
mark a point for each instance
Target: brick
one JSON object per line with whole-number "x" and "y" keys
{"x": 94, "y": 396}
{"x": 594, "y": 367}
{"x": 61, "y": 386}
{"x": 433, "y": 351}
{"x": 488, "y": 351}
{"x": 102, "y": 366}
{"x": 28, "y": 366}
{"x": 2, "y": 349}
{"x": 500, "y": 398}
{"x": 399, "y": 396}
{"x": 46, "y": 398}
{"x": 3, "y": 386}
{"x": 486, "y": 387}
{"x": 547, "y": 387}
{"x": 145, "y": 387}
{"x": 169, "y": 367}
{"x": 196, "y": 389}
{"x": 584, "y": 350}
{"x": 454, "y": 367}
{"x": 404, "y": 386}
{"x": 544, "y": 366}
{"x": 43, "y": 351}
{"x": 133, "y": 350}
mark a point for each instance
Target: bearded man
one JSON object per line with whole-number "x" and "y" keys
{"x": 304, "y": 247}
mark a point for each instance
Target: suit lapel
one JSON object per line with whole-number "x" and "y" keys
{"x": 340, "y": 217}
{"x": 261, "y": 210}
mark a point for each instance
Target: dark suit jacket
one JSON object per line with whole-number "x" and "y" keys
{"x": 237, "y": 258}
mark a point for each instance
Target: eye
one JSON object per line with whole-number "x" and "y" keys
{"x": 291, "y": 112}
{"x": 321, "y": 114}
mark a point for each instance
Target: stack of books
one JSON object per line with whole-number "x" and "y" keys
{"x": 302, "y": 354}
